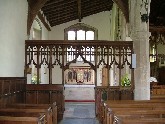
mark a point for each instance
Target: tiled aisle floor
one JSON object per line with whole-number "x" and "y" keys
{"x": 79, "y": 113}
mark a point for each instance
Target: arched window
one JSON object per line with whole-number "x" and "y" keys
{"x": 80, "y": 31}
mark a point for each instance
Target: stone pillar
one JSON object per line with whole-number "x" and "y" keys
{"x": 140, "y": 34}
{"x": 113, "y": 22}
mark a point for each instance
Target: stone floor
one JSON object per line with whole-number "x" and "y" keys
{"x": 79, "y": 113}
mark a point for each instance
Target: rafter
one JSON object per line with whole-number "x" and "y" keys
{"x": 65, "y": 18}
{"x": 87, "y": 8}
{"x": 60, "y": 10}
{"x": 61, "y": 13}
{"x": 87, "y": 13}
{"x": 53, "y": 18}
{"x": 79, "y": 9}
{"x": 93, "y": 10}
{"x": 59, "y": 5}
{"x": 52, "y": 3}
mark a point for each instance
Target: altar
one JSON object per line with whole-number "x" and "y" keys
{"x": 79, "y": 93}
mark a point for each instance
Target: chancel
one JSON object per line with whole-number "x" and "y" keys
{"x": 66, "y": 61}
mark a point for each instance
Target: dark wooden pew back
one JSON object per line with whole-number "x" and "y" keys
{"x": 22, "y": 120}
{"x": 47, "y": 112}
{"x": 119, "y": 111}
{"x": 37, "y": 106}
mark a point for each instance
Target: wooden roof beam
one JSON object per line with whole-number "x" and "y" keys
{"x": 40, "y": 16}
{"x": 87, "y": 8}
{"x": 63, "y": 19}
{"x": 57, "y": 5}
{"x": 53, "y": 18}
{"x": 61, "y": 13}
{"x": 158, "y": 29}
{"x": 88, "y": 13}
{"x": 79, "y": 9}
{"x": 52, "y": 2}
{"x": 62, "y": 9}
{"x": 33, "y": 8}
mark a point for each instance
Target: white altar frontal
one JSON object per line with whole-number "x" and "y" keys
{"x": 82, "y": 93}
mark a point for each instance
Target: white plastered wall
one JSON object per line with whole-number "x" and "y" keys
{"x": 13, "y": 30}
{"x": 100, "y": 21}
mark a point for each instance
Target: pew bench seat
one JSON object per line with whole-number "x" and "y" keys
{"x": 143, "y": 121}
{"x": 27, "y": 112}
{"x": 123, "y": 111}
{"x": 22, "y": 120}
{"x": 37, "y": 106}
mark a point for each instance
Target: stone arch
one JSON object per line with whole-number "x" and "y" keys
{"x": 123, "y": 5}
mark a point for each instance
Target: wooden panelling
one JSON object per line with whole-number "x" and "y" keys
{"x": 12, "y": 87}
{"x": 105, "y": 79}
{"x": 59, "y": 98}
{"x": 44, "y": 87}
{"x": 111, "y": 93}
{"x": 31, "y": 97}
{"x": 6, "y": 87}
{"x": 46, "y": 94}
{"x": 126, "y": 95}
{"x": 12, "y": 90}
{"x": 1, "y": 84}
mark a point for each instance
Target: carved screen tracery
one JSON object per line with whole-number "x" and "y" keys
{"x": 49, "y": 57}
{"x": 157, "y": 53}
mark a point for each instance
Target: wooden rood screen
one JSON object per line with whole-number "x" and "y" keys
{"x": 112, "y": 55}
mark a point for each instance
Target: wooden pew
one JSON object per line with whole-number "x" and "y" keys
{"x": 130, "y": 104}
{"x": 109, "y": 114}
{"x": 46, "y": 94}
{"x": 133, "y": 101}
{"x": 22, "y": 120}
{"x": 28, "y": 112}
{"x": 127, "y": 109}
{"x": 143, "y": 121}
{"x": 37, "y": 106}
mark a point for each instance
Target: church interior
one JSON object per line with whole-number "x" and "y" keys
{"x": 82, "y": 61}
